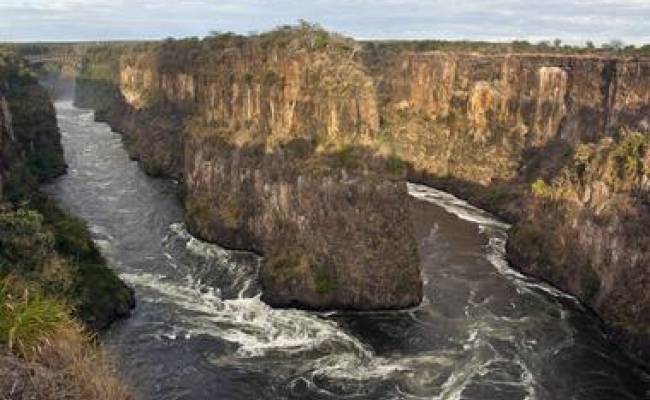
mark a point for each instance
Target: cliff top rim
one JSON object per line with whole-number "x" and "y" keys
{"x": 477, "y": 54}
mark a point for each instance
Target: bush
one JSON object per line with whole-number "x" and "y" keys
{"x": 541, "y": 189}
{"x": 395, "y": 165}
{"x": 325, "y": 281}
{"x": 25, "y": 244}
{"x": 345, "y": 158}
{"x": 628, "y": 155}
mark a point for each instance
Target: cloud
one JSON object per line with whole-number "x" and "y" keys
{"x": 570, "y": 20}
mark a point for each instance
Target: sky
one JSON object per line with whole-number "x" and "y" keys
{"x": 573, "y": 21}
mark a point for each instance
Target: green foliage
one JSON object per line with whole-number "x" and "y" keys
{"x": 284, "y": 266}
{"x": 589, "y": 283}
{"x": 517, "y": 46}
{"x": 72, "y": 238}
{"x": 628, "y": 155}
{"x": 198, "y": 209}
{"x": 25, "y": 244}
{"x": 27, "y": 317}
{"x": 325, "y": 281}
{"x": 541, "y": 189}
{"x": 55, "y": 252}
{"x": 395, "y": 165}
{"x": 321, "y": 41}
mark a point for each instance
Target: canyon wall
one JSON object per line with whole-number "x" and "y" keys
{"x": 271, "y": 139}
{"x": 284, "y": 133}
{"x": 557, "y": 145}
{"x": 40, "y": 246}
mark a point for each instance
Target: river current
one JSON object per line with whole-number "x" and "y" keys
{"x": 199, "y": 331}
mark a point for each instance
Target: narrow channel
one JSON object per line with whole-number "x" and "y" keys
{"x": 200, "y": 331}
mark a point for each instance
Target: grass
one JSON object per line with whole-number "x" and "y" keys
{"x": 53, "y": 357}
{"x": 27, "y": 317}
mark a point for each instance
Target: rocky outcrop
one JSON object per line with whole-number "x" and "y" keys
{"x": 270, "y": 136}
{"x": 504, "y": 131}
{"x": 30, "y": 146}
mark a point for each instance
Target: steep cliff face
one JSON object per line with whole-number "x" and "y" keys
{"x": 507, "y": 132}
{"x": 275, "y": 131}
{"x": 505, "y": 105}
{"x": 547, "y": 142}
{"x": 29, "y": 138}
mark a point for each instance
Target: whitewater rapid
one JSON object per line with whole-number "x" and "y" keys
{"x": 200, "y": 330}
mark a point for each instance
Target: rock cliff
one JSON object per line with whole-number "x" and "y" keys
{"x": 271, "y": 136}
{"x": 556, "y": 144}
{"x": 287, "y": 132}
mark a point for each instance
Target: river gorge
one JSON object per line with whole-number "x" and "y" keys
{"x": 200, "y": 330}
{"x": 296, "y": 214}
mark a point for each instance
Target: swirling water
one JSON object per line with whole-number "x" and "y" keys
{"x": 200, "y": 331}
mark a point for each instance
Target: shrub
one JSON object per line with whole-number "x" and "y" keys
{"x": 321, "y": 41}
{"x": 628, "y": 155}
{"x": 271, "y": 78}
{"x": 344, "y": 158}
{"x": 395, "y": 165}
{"x": 541, "y": 189}
{"x": 56, "y": 358}
{"x": 230, "y": 212}
{"x": 325, "y": 281}
{"x": 24, "y": 242}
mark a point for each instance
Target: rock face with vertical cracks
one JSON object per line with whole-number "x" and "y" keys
{"x": 284, "y": 131}
{"x": 556, "y": 144}
{"x": 272, "y": 139}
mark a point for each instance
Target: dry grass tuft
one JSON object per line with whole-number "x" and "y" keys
{"x": 48, "y": 354}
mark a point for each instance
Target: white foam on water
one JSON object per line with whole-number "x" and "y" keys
{"x": 261, "y": 331}
{"x": 240, "y": 276}
{"x": 495, "y": 230}
{"x": 454, "y": 205}
{"x": 322, "y": 346}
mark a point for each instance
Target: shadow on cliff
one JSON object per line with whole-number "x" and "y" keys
{"x": 542, "y": 242}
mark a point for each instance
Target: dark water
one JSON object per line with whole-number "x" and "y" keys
{"x": 200, "y": 331}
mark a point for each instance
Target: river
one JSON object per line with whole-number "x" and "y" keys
{"x": 200, "y": 331}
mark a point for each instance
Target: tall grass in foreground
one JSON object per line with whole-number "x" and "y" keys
{"x": 26, "y": 318}
{"x": 53, "y": 357}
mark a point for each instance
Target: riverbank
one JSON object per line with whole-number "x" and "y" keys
{"x": 56, "y": 289}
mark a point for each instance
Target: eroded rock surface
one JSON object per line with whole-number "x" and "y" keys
{"x": 280, "y": 132}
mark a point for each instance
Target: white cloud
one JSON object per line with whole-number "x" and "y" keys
{"x": 571, "y": 20}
